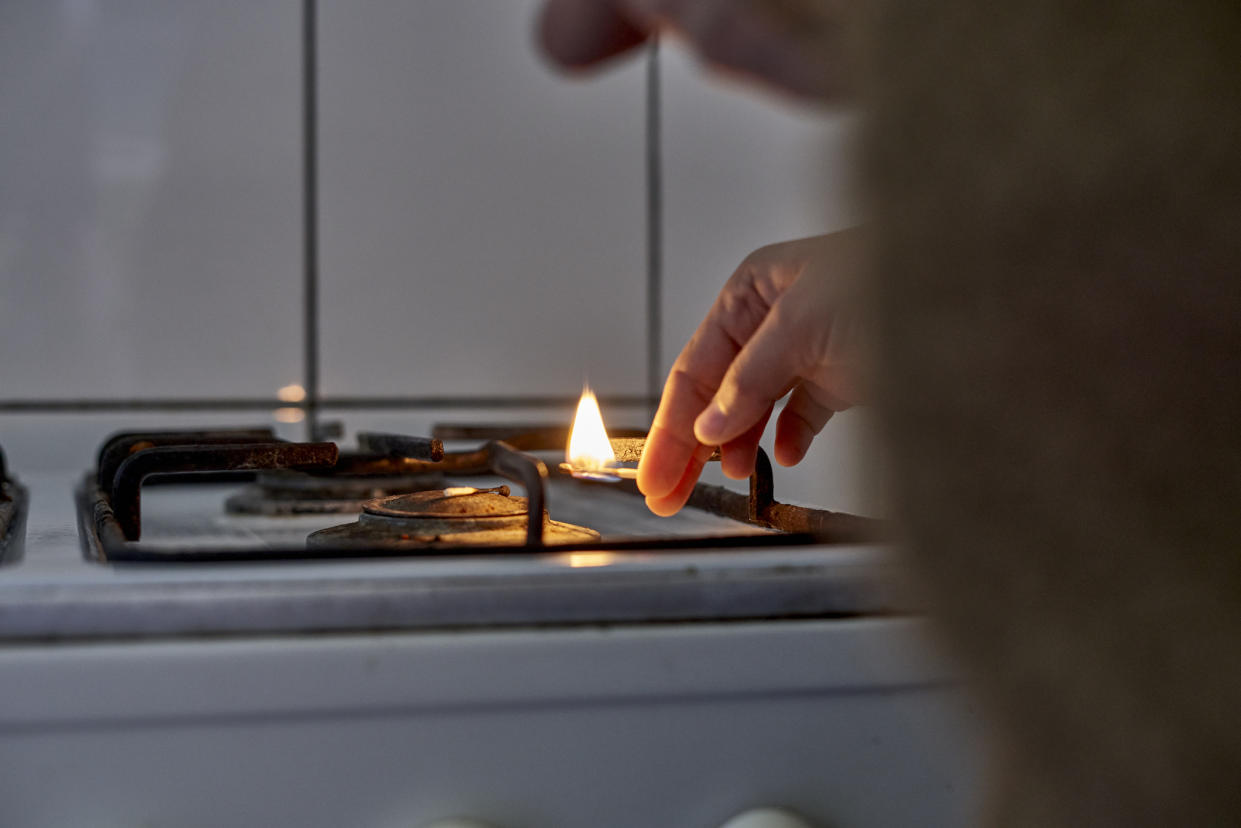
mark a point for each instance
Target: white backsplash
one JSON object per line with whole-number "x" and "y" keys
{"x": 483, "y": 220}
{"x": 149, "y": 198}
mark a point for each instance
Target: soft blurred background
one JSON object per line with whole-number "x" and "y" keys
{"x": 483, "y": 221}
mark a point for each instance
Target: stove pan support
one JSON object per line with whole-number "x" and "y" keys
{"x": 120, "y": 445}
{"x": 14, "y": 501}
{"x": 118, "y": 511}
{"x": 110, "y": 517}
{"x": 761, "y": 508}
{"x": 531, "y": 474}
{"x": 402, "y": 446}
{"x": 758, "y": 508}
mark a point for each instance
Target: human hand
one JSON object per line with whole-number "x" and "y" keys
{"x": 785, "y": 321}
{"x": 799, "y": 46}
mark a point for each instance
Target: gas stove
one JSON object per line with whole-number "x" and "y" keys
{"x": 399, "y": 485}
{"x": 450, "y": 626}
{"x": 297, "y": 535}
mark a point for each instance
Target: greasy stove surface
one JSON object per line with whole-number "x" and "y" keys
{"x": 55, "y": 592}
{"x": 192, "y": 517}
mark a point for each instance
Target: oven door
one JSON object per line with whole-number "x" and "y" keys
{"x": 846, "y": 722}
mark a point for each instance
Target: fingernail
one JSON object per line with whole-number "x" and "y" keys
{"x": 710, "y": 424}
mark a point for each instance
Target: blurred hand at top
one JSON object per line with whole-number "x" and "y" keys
{"x": 786, "y": 321}
{"x": 799, "y": 46}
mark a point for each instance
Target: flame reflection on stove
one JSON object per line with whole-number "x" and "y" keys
{"x": 589, "y": 448}
{"x": 578, "y": 560}
{"x": 289, "y": 415}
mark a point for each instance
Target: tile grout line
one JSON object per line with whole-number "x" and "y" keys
{"x": 654, "y": 227}
{"x": 310, "y": 216}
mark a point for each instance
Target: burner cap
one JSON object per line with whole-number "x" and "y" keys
{"x": 277, "y": 493}
{"x": 447, "y": 505}
{"x": 445, "y": 512}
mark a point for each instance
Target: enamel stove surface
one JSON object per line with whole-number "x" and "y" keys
{"x": 58, "y": 592}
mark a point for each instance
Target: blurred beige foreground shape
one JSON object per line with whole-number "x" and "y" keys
{"x": 1055, "y": 191}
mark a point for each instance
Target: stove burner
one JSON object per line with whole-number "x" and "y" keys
{"x": 355, "y": 479}
{"x": 455, "y": 516}
{"x": 461, "y": 506}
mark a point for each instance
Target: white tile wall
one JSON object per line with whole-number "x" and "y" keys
{"x": 70, "y": 442}
{"x": 149, "y": 181}
{"x": 742, "y": 169}
{"x": 483, "y": 220}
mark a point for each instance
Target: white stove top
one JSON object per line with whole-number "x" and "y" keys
{"x": 55, "y": 591}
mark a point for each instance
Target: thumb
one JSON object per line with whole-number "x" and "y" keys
{"x": 762, "y": 372}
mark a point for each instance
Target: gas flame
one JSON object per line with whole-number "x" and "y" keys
{"x": 589, "y": 447}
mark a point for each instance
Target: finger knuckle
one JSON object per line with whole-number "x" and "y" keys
{"x": 682, "y": 380}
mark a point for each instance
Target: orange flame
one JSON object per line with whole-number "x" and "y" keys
{"x": 589, "y": 447}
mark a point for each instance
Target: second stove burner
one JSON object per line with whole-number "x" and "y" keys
{"x": 455, "y": 516}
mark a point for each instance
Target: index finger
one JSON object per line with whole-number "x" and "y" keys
{"x": 693, "y": 381}
{"x": 671, "y": 443}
